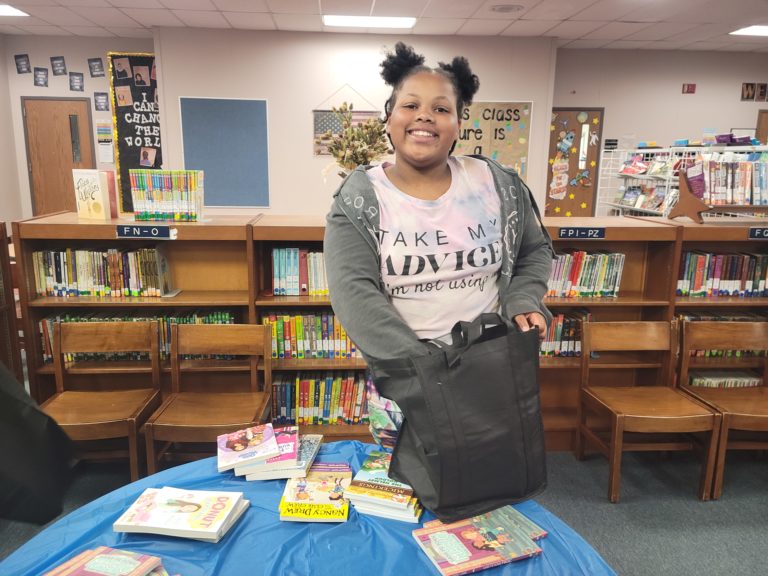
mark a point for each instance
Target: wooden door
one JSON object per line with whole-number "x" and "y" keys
{"x": 574, "y": 161}
{"x": 59, "y": 137}
{"x": 761, "y": 132}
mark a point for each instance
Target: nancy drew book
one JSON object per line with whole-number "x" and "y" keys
{"x": 198, "y": 514}
{"x": 476, "y": 543}
{"x": 246, "y": 446}
{"x": 318, "y": 497}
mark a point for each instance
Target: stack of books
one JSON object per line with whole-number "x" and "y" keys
{"x": 499, "y": 537}
{"x": 104, "y": 560}
{"x": 318, "y": 497}
{"x": 297, "y": 453}
{"x": 167, "y": 195}
{"x": 246, "y": 446}
{"x": 204, "y": 515}
{"x": 373, "y": 492}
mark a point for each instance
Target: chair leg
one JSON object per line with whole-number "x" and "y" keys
{"x": 717, "y": 489}
{"x": 149, "y": 436}
{"x": 133, "y": 450}
{"x": 581, "y": 423}
{"x": 615, "y": 447}
{"x": 710, "y": 460}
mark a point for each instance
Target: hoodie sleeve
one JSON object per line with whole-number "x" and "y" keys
{"x": 533, "y": 265}
{"x": 352, "y": 270}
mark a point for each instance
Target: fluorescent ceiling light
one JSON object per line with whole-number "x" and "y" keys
{"x": 369, "y": 21}
{"x": 7, "y": 10}
{"x": 752, "y": 31}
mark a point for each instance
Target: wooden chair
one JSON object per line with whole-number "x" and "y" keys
{"x": 199, "y": 416}
{"x": 642, "y": 413}
{"x": 742, "y": 409}
{"x": 113, "y": 407}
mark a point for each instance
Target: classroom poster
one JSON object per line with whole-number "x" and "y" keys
{"x": 499, "y": 130}
{"x": 135, "y": 118}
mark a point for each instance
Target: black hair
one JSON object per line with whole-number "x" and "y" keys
{"x": 404, "y": 62}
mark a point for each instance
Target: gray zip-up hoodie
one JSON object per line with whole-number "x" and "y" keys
{"x": 352, "y": 264}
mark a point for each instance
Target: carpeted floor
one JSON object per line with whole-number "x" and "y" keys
{"x": 658, "y": 528}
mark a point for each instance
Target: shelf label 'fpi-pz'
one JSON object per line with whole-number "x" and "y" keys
{"x": 582, "y": 233}
{"x": 145, "y": 231}
{"x": 758, "y": 233}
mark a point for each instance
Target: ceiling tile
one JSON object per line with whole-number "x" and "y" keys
{"x": 17, "y": 21}
{"x": 242, "y": 5}
{"x": 662, "y": 31}
{"x": 106, "y": 16}
{"x": 717, "y": 11}
{"x": 616, "y": 30}
{"x": 529, "y": 27}
{"x": 137, "y": 4}
{"x": 446, "y": 26}
{"x": 299, "y": 22}
{"x": 347, "y": 7}
{"x": 188, "y": 4}
{"x": 11, "y": 30}
{"x": 21, "y": 3}
{"x": 479, "y": 27}
{"x": 344, "y": 30}
{"x": 95, "y": 31}
{"x": 202, "y": 18}
{"x": 586, "y": 44}
{"x": 704, "y": 32}
{"x": 573, "y": 29}
{"x": 46, "y": 30}
{"x": 661, "y": 11}
{"x": 452, "y": 9}
{"x": 608, "y": 10}
{"x": 626, "y": 45}
{"x": 59, "y": 16}
{"x": 150, "y": 18}
{"x": 412, "y": 8}
{"x": 557, "y": 9}
{"x": 131, "y": 32}
{"x": 251, "y": 20}
{"x": 486, "y": 10}
{"x": 294, "y": 6}
{"x": 85, "y": 3}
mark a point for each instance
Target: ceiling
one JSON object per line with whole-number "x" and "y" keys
{"x": 611, "y": 24}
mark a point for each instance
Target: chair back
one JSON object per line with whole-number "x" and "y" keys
{"x": 726, "y": 336}
{"x": 107, "y": 337}
{"x": 627, "y": 337}
{"x": 252, "y": 340}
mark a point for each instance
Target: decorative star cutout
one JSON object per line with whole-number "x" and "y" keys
{"x": 593, "y": 164}
{"x": 551, "y": 127}
{"x": 583, "y": 204}
{"x": 571, "y": 196}
{"x": 551, "y": 161}
{"x": 557, "y": 209}
{"x": 568, "y": 214}
{"x": 573, "y": 150}
{"x": 595, "y": 120}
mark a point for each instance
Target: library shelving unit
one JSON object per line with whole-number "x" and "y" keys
{"x": 9, "y": 332}
{"x": 209, "y": 263}
{"x": 651, "y": 255}
{"x": 275, "y": 231}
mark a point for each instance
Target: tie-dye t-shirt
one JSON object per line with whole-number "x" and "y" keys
{"x": 440, "y": 258}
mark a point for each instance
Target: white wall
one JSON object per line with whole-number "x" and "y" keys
{"x": 641, "y": 91}
{"x": 10, "y": 200}
{"x": 76, "y": 52}
{"x": 298, "y": 72}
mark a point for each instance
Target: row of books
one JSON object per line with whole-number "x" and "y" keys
{"x": 311, "y": 335}
{"x": 720, "y": 178}
{"x": 724, "y": 316}
{"x": 583, "y": 274}
{"x": 704, "y": 274}
{"x": 724, "y": 379}
{"x": 113, "y": 273}
{"x": 167, "y": 195}
{"x": 563, "y": 336}
{"x": 166, "y": 319}
{"x": 103, "y": 560}
{"x": 319, "y": 398}
{"x": 298, "y": 272}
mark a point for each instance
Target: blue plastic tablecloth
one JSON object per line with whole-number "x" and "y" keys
{"x": 259, "y": 543}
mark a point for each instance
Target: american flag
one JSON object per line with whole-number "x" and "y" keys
{"x": 326, "y": 120}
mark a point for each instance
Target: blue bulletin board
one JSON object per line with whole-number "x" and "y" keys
{"x": 227, "y": 139}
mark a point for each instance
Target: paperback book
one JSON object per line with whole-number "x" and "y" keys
{"x": 287, "y": 443}
{"x": 198, "y": 514}
{"x": 318, "y": 497}
{"x": 475, "y": 544}
{"x": 246, "y": 446}
{"x": 309, "y": 446}
{"x": 105, "y": 561}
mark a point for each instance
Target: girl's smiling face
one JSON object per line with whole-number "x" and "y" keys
{"x": 424, "y": 122}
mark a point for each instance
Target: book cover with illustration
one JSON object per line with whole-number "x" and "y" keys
{"x": 287, "y": 443}
{"x": 198, "y": 514}
{"x": 319, "y": 496}
{"x": 245, "y": 446}
{"x": 512, "y": 514}
{"x": 475, "y": 544}
{"x": 373, "y": 485}
{"x": 92, "y": 193}
{"x": 105, "y": 561}
{"x": 309, "y": 446}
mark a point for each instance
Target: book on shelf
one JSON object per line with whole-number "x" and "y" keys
{"x": 476, "y": 543}
{"x": 167, "y": 195}
{"x": 287, "y": 438}
{"x": 309, "y": 446}
{"x": 724, "y": 379}
{"x": 95, "y": 193}
{"x": 204, "y": 515}
{"x": 105, "y": 561}
{"x": 319, "y": 496}
{"x": 246, "y": 446}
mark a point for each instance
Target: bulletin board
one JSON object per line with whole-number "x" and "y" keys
{"x": 574, "y": 161}
{"x": 135, "y": 118}
{"x": 499, "y": 130}
{"x": 227, "y": 139}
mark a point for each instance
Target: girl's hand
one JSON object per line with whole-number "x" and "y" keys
{"x": 531, "y": 320}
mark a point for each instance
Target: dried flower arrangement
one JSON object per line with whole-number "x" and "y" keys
{"x": 358, "y": 144}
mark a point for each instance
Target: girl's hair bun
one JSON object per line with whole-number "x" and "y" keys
{"x": 466, "y": 83}
{"x": 397, "y": 65}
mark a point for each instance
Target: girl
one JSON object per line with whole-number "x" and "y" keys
{"x": 415, "y": 246}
